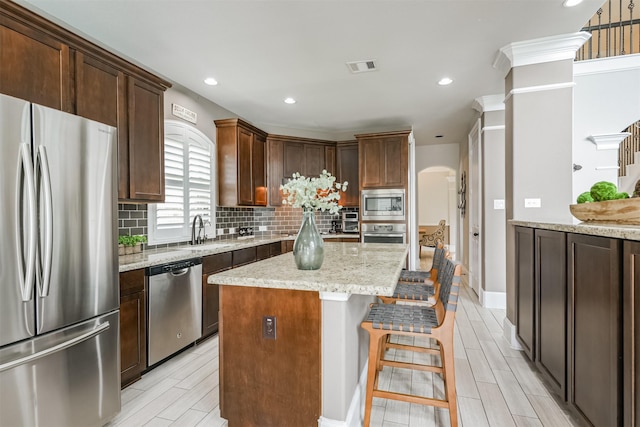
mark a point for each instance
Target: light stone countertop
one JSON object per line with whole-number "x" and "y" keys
{"x": 613, "y": 230}
{"x": 349, "y": 268}
{"x": 151, "y": 257}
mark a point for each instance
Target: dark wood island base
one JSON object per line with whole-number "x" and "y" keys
{"x": 270, "y": 382}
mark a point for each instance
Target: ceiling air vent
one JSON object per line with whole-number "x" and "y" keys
{"x": 362, "y": 66}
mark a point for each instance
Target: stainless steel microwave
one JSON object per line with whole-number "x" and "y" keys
{"x": 383, "y": 204}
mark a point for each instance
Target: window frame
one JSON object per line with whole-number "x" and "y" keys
{"x": 179, "y": 131}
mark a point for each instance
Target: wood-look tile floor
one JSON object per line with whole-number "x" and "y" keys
{"x": 496, "y": 385}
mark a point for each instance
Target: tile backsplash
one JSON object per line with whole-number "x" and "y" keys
{"x": 132, "y": 219}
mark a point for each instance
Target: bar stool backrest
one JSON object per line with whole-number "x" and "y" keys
{"x": 449, "y": 278}
{"x": 439, "y": 255}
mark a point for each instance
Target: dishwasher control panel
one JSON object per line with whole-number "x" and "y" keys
{"x": 174, "y": 266}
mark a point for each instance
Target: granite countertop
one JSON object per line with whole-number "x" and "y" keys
{"x": 151, "y": 257}
{"x": 349, "y": 268}
{"x": 614, "y": 230}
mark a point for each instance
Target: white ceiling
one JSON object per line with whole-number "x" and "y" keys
{"x": 263, "y": 51}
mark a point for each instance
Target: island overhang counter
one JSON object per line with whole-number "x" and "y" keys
{"x": 313, "y": 372}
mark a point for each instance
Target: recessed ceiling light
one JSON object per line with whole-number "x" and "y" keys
{"x": 210, "y": 81}
{"x": 571, "y": 3}
{"x": 445, "y": 81}
{"x": 289, "y": 101}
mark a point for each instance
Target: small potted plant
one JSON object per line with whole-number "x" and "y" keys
{"x": 125, "y": 245}
{"x": 138, "y": 241}
{"x": 131, "y": 244}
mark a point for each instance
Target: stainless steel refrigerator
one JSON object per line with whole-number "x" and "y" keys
{"x": 59, "y": 293}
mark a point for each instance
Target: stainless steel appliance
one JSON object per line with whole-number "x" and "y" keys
{"x": 59, "y": 295}
{"x": 383, "y": 204}
{"x": 350, "y": 223}
{"x": 384, "y": 233}
{"x": 175, "y": 307}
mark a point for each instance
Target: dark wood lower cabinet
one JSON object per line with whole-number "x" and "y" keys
{"x": 551, "y": 307}
{"x": 287, "y": 246}
{"x": 210, "y": 293}
{"x": 631, "y": 333}
{"x": 270, "y": 382}
{"x": 595, "y": 328}
{"x": 525, "y": 290}
{"x": 133, "y": 330}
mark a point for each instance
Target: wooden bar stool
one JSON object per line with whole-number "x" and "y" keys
{"x": 419, "y": 286}
{"x": 413, "y": 320}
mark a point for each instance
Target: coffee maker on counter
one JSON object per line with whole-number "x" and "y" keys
{"x": 336, "y": 226}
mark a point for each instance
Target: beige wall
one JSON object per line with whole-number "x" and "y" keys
{"x": 493, "y": 220}
{"x": 433, "y": 197}
{"x": 538, "y": 157}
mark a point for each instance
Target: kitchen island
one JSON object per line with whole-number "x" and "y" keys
{"x": 576, "y": 311}
{"x": 292, "y": 352}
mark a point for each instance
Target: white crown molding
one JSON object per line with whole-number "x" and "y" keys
{"x": 610, "y": 141}
{"x": 606, "y": 65}
{"x": 540, "y": 88}
{"x": 496, "y": 127}
{"x": 486, "y": 103}
{"x": 538, "y": 51}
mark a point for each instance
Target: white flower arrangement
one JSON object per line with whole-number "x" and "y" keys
{"x": 321, "y": 193}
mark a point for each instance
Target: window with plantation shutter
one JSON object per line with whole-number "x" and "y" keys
{"x": 189, "y": 166}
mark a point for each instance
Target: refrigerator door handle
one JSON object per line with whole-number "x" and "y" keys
{"x": 44, "y": 182}
{"x": 56, "y": 348}
{"x": 25, "y": 171}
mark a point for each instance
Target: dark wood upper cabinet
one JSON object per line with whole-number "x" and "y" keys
{"x": 314, "y": 160}
{"x": 384, "y": 159}
{"x": 241, "y": 163}
{"x": 96, "y": 79}
{"x": 33, "y": 65}
{"x": 347, "y": 170}
{"x": 294, "y": 160}
{"x": 259, "y": 170}
{"x": 595, "y": 328}
{"x": 289, "y": 154}
{"x": 145, "y": 143}
{"x": 44, "y": 63}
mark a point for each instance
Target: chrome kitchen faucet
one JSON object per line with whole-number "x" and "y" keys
{"x": 197, "y": 240}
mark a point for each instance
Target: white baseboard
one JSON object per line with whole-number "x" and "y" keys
{"x": 355, "y": 414}
{"x": 510, "y": 334}
{"x": 493, "y": 299}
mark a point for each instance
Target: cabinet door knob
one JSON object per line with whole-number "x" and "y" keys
{"x": 476, "y": 234}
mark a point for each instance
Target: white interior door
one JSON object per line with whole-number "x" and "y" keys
{"x": 475, "y": 208}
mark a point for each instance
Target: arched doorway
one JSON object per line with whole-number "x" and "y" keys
{"x": 437, "y": 200}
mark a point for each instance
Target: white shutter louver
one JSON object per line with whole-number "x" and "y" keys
{"x": 189, "y": 185}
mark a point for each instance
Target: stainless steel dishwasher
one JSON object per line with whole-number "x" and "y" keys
{"x": 175, "y": 307}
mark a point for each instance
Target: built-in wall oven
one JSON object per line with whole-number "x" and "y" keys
{"x": 383, "y": 233}
{"x": 386, "y": 204}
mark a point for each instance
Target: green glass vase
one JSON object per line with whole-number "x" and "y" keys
{"x": 308, "y": 248}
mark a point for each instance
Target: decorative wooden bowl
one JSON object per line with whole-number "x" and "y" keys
{"x": 626, "y": 211}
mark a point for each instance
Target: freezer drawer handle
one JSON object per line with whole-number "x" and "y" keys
{"x": 64, "y": 345}
{"x": 44, "y": 181}
{"x": 26, "y": 170}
